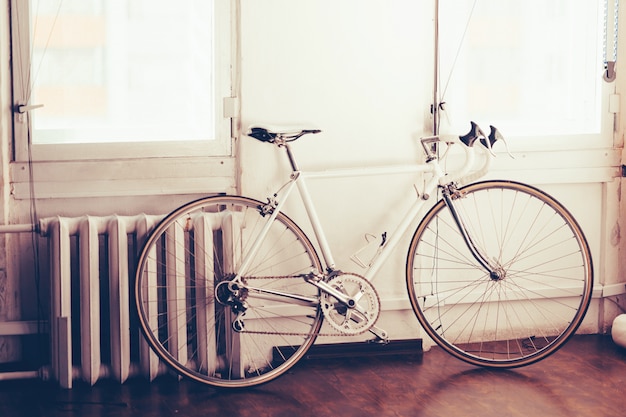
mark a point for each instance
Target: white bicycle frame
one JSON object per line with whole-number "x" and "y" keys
{"x": 432, "y": 166}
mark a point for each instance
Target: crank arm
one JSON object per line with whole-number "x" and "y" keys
{"x": 350, "y": 302}
{"x": 343, "y": 298}
{"x": 380, "y": 333}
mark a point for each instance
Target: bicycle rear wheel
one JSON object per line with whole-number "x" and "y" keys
{"x": 545, "y": 282}
{"x": 213, "y": 333}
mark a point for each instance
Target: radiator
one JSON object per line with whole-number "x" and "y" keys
{"x": 92, "y": 266}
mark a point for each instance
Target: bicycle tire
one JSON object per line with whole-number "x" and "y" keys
{"x": 540, "y": 299}
{"x": 187, "y": 313}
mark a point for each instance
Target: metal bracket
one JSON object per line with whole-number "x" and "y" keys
{"x": 609, "y": 73}
{"x": 231, "y": 107}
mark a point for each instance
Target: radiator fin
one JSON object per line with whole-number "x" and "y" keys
{"x": 122, "y": 234}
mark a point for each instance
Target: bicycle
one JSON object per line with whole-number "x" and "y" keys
{"x": 232, "y": 293}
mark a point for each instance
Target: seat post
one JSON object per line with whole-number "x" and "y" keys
{"x": 292, "y": 160}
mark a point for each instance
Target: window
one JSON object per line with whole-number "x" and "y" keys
{"x": 111, "y": 73}
{"x": 532, "y": 68}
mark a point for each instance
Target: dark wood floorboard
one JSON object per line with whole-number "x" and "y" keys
{"x": 586, "y": 378}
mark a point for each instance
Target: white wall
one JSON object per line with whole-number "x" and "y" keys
{"x": 361, "y": 72}
{"x": 358, "y": 70}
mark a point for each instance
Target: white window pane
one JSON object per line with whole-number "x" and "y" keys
{"x": 122, "y": 70}
{"x": 530, "y": 68}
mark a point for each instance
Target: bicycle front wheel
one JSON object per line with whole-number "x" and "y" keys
{"x": 532, "y": 305}
{"x": 220, "y": 334}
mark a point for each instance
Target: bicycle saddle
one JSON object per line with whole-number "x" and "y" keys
{"x": 269, "y": 133}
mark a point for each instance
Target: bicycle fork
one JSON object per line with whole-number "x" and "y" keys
{"x": 451, "y": 193}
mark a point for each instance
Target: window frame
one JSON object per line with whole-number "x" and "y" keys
{"x": 212, "y": 158}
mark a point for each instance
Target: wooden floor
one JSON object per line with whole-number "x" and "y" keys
{"x": 586, "y": 378}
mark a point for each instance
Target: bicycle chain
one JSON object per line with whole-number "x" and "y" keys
{"x": 337, "y": 333}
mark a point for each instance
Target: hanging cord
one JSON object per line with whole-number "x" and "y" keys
{"x": 458, "y": 52}
{"x": 438, "y": 104}
{"x": 609, "y": 64}
{"x": 34, "y": 219}
{"x": 30, "y": 79}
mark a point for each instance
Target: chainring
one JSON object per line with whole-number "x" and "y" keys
{"x": 351, "y": 320}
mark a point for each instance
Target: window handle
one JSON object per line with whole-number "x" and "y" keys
{"x": 24, "y": 108}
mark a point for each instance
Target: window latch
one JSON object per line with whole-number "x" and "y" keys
{"x": 609, "y": 73}
{"x": 23, "y": 108}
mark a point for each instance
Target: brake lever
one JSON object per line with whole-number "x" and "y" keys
{"x": 486, "y": 141}
{"x": 476, "y": 134}
{"x": 494, "y": 136}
